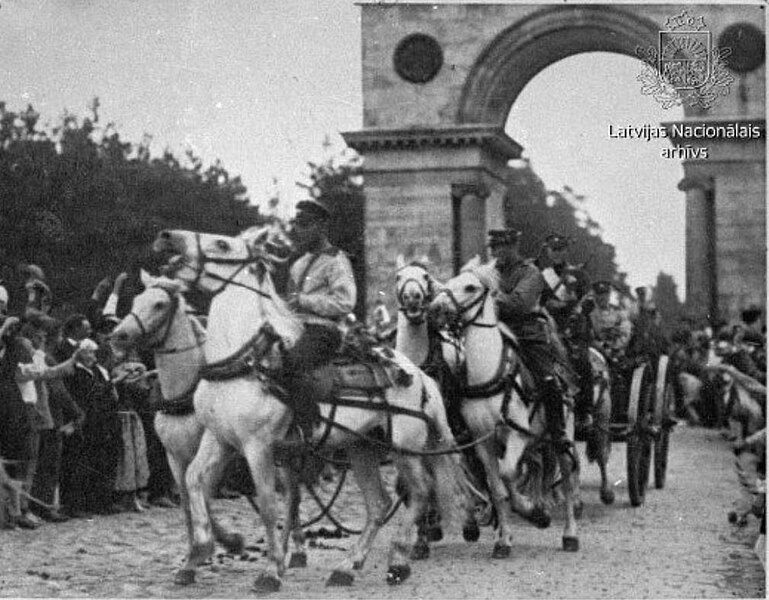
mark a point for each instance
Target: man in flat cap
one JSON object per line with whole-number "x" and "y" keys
{"x": 611, "y": 326}
{"x": 322, "y": 291}
{"x": 518, "y": 304}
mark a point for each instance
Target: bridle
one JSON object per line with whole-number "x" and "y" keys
{"x": 204, "y": 259}
{"x": 164, "y": 325}
{"x": 426, "y": 297}
{"x": 462, "y": 310}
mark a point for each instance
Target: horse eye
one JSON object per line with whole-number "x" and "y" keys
{"x": 160, "y": 304}
{"x": 469, "y": 288}
{"x": 222, "y": 245}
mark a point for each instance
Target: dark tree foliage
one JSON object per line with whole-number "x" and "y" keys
{"x": 537, "y": 212}
{"x": 83, "y": 203}
{"x": 665, "y": 298}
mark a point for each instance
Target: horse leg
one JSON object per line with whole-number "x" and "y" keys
{"x": 364, "y": 463}
{"x": 500, "y": 498}
{"x": 603, "y": 441}
{"x": 570, "y": 485}
{"x": 515, "y": 445}
{"x": 414, "y": 475}
{"x": 201, "y": 475}
{"x": 569, "y": 465}
{"x": 261, "y": 462}
{"x": 178, "y": 470}
{"x": 292, "y": 528}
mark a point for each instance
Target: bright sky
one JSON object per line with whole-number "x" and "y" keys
{"x": 260, "y": 84}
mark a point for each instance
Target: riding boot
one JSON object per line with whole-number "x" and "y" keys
{"x": 301, "y": 397}
{"x": 554, "y": 419}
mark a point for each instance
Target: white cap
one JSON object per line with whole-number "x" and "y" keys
{"x": 3, "y": 295}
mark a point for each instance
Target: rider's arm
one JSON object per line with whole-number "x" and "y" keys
{"x": 523, "y": 298}
{"x": 338, "y": 298}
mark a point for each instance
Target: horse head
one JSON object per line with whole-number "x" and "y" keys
{"x": 152, "y": 313}
{"x": 415, "y": 289}
{"x": 462, "y": 300}
{"x": 213, "y": 263}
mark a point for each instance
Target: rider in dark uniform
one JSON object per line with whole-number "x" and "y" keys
{"x": 566, "y": 286}
{"x": 518, "y": 302}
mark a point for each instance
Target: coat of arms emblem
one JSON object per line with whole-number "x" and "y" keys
{"x": 685, "y": 68}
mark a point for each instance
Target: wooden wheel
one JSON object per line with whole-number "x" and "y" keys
{"x": 663, "y": 407}
{"x": 638, "y": 439}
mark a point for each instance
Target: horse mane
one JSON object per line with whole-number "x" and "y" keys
{"x": 170, "y": 285}
{"x": 487, "y": 273}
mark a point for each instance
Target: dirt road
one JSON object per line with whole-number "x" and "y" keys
{"x": 678, "y": 545}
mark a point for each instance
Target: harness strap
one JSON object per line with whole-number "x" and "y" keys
{"x": 244, "y": 360}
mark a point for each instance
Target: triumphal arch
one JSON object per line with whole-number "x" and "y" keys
{"x": 438, "y": 83}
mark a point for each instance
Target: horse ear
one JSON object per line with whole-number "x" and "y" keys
{"x": 400, "y": 261}
{"x": 146, "y": 278}
{"x": 475, "y": 261}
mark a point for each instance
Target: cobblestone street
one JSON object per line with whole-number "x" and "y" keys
{"x": 678, "y": 545}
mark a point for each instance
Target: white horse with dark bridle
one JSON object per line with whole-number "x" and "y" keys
{"x": 494, "y": 406}
{"x": 248, "y": 324}
{"x": 159, "y": 320}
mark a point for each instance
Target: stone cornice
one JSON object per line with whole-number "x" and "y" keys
{"x": 490, "y": 137}
{"x": 460, "y": 190}
{"x": 695, "y": 182}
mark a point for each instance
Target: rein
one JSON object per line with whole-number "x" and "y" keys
{"x": 204, "y": 259}
{"x": 505, "y": 379}
{"x": 165, "y": 323}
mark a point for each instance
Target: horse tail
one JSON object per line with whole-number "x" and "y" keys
{"x": 448, "y": 481}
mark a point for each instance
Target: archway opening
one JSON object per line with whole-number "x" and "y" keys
{"x": 591, "y": 135}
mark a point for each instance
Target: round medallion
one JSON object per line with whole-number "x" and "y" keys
{"x": 747, "y": 44}
{"x": 418, "y": 58}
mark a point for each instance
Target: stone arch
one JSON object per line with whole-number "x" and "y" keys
{"x": 530, "y": 45}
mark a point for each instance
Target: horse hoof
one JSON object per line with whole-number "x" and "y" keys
{"x": 578, "y": 509}
{"x": 397, "y": 574}
{"x": 340, "y": 579}
{"x": 184, "y": 577}
{"x": 471, "y": 532}
{"x": 266, "y": 584}
{"x": 540, "y": 518}
{"x": 434, "y": 534}
{"x": 607, "y": 496}
{"x": 570, "y": 543}
{"x": 234, "y": 544}
{"x": 298, "y": 560}
{"x": 501, "y": 551}
{"x": 420, "y": 551}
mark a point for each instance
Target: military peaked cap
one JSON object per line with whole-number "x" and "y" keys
{"x": 311, "y": 210}
{"x": 503, "y": 237}
{"x": 751, "y": 314}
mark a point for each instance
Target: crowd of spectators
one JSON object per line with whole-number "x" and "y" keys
{"x": 76, "y": 417}
{"x": 701, "y": 355}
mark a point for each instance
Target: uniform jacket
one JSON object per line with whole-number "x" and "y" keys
{"x": 520, "y": 289}
{"x": 324, "y": 286}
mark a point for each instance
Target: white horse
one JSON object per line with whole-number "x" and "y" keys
{"x": 159, "y": 319}
{"x": 237, "y": 403}
{"x": 493, "y": 406}
{"x": 440, "y": 355}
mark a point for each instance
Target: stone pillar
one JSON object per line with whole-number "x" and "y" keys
{"x": 427, "y": 193}
{"x": 701, "y": 283}
{"x": 469, "y": 212}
